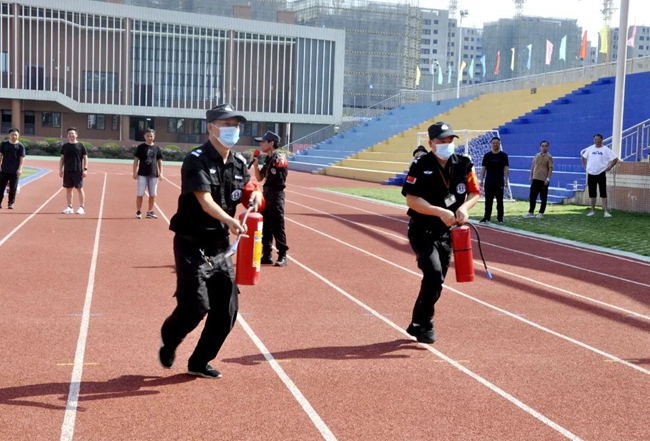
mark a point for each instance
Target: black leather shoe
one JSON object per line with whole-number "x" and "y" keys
{"x": 206, "y": 371}
{"x": 282, "y": 261}
{"x": 421, "y": 334}
{"x": 266, "y": 260}
{"x": 166, "y": 356}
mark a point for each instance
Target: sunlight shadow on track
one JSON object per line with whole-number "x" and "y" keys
{"x": 529, "y": 410}
{"x": 120, "y": 387}
{"x": 364, "y": 352}
{"x": 467, "y": 296}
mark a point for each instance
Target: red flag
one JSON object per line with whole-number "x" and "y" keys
{"x": 496, "y": 69}
{"x": 583, "y": 48}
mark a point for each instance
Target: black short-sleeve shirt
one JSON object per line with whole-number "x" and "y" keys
{"x": 11, "y": 154}
{"x": 275, "y": 171}
{"x": 204, "y": 170}
{"x": 148, "y": 156}
{"x": 72, "y": 156}
{"x": 495, "y": 164}
{"x": 428, "y": 180}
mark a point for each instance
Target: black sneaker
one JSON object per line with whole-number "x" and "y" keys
{"x": 282, "y": 261}
{"x": 10, "y": 206}
{"x": 266, "y": 260}
{"x": 151, "y": 215}
{"x": 138, "y": 214}
{"x": 166, "y": 356}
{"x": 484, "y": 221}
{"x": 206, "y": 371}
{"x": 421, "y": 334}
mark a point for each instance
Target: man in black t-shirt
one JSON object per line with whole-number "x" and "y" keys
{"x": 147, "y": 168}
{"x": 212, "y": 185}
{"x": 73, "y": 168}
{"x": 12, "y": 156}
{"x": 274, "y": 173}
{"x": 494, "y": 178}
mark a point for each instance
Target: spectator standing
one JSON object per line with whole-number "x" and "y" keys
{"x": 12, "y": 157}
{"x": 540, "y": 178}
{"x": 147, "y": 169}
{"x": 494, "y": 178}
{"x": 597, "y": 160}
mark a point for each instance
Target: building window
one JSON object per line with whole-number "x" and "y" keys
{"x": 96, "y": 122}
{"x": 4, "y": 62}
{"x": 6, "y": 121}
{"x": 426, "y": 22}
{"x": 426, "y": 31}
{"x": 198, "y": 127}
{"x": 424, "y": 61}
{"x": 435, "y": 41}
{"x": 425, "y": 51}
{"x": 115, "y": 124}
{"x": 435, "y": 31}
{"x": 435, "y": 21}
{"x": 100, "y": 81}
{"x": 51, "y": 119}
{"x": 425, "y": 41}
{"x": 176, "y": 125}
{"x": 434, "y": 51}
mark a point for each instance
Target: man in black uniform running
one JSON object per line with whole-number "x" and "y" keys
{"x": 212, "y": 184}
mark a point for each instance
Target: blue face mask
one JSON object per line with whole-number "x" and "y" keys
{"x": 444, "y": 151}
{"x": 228, "y": 136}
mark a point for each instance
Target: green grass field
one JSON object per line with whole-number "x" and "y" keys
{"x": 27, "y": 171}
{"x": 624, "y": 231}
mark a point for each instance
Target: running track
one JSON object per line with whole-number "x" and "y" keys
{"x": 556, "y": 346}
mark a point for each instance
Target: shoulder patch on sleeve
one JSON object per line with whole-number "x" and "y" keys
{"x": 241, "y": 158}
{"x": 411, "y": 179}
{"x": 197, "y": 152}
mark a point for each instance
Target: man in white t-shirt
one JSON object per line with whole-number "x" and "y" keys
{"x": 598, "y": 160}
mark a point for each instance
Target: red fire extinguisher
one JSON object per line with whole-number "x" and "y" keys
{"x": 461, "y": 240}
{"x": 249, "y": 249}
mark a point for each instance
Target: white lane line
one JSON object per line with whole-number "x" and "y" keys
{"x": 297, "y": 394}
{"x": 6, "y": 238}
{"x": 529, "y": 410}
{"x": 509, "y": 249}
{"x": 496, "y": 308}
{"x": 493, "y": 268}
{"x": 304, "y": 403}
{"x": 67, "y": 429}
{"x": 593, "y": 249}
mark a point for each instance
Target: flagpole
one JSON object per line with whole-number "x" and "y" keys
{"x": 619, "y": 91}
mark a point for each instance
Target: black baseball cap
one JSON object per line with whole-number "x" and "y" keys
{"x": 268, "y": 136}
{"x": 420, "y": 149}
{"x": 441, "y": 130}
{"x": 223, "y": 111}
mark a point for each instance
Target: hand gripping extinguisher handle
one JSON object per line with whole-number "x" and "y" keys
{"x": 233, "y": 248}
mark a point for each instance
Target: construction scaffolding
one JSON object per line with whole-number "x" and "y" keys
{"x": 382, "y": 44}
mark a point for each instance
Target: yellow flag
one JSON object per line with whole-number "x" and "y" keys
{"x": 417, "y": 76}
{"x": 463, "y": 65}
{"x": 604, "y": 44}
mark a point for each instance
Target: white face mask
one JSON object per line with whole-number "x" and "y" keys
{"x": 228, "y": 136}
{"x": 444, "y": 151}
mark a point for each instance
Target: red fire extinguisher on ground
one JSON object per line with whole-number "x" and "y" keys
{"x": 461, "y": 240}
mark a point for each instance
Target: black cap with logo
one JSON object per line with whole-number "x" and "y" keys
{"x": 441, "y": 130}
{"x": 223, "y": 111}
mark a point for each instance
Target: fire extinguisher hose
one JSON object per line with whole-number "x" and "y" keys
{"x": 480, "y": 249}
{"x": 233, "y": 247}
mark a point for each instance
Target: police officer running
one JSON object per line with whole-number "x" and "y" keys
{"x": 274, "y": 172}
{"x": 440, "y": 189}
{"x": 212, "y": 183}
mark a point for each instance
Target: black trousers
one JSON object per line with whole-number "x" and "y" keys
{"x": 433, "y": 253}
{"x": 538, "y": 188}
{"x": 12, "y": 179}
{"x": 201, "y": 289}
{"x": 273, "y": 226}
{"x": 492, "y": 192}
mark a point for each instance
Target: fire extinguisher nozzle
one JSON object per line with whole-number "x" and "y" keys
{"x": 489, "y": 274}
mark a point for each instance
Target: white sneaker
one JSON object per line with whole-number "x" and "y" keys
{"x": 591, "y": 213}
{"x": 540, "y": 216}
{"x": 68, "y": 210}
{"x": 607, "y": 214}
{"x": 80, "y": 210}
{"x": 529, "y": 215}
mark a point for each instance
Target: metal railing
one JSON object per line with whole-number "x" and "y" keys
{"x": 635, "y": 143}
{"x": 407, "y": 96}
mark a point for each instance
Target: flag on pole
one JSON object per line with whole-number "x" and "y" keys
{"x": 604, "y": 44}
{"x": 583, "y": 48}
{"x": 563, "y": 48}
{"x": 418, "y": 74}
{"x": 471, "y": 69}
{"x": 512, "y": 59}
{"x": 483, "y": 64}
{"x": 630, "y": 41}
{"x": 549, "y": 52}
{"x": 439, "y": 75}
{"x": 530, "y": 54}
{"x": 463, "y": 65}
{"x": 449, "y": 74}
{"x": 496, "y": 69}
